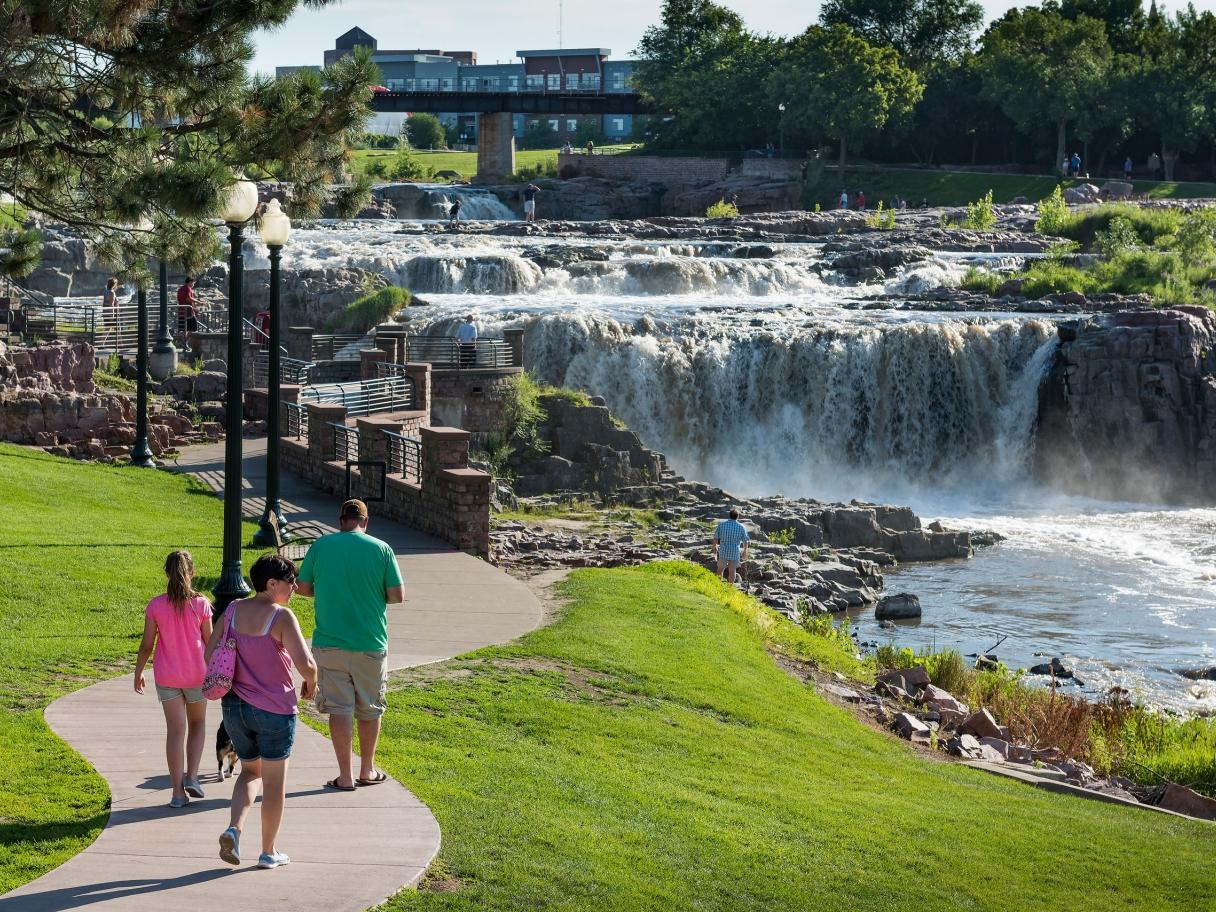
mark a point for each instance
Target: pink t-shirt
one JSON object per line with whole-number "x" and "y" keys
{"x": 178, "y": 661}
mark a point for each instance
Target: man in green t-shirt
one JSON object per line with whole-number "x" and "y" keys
{"x": 354, "y": 578}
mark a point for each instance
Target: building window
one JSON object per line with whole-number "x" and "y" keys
{"x": 512, "y": 83}
{"x": 555, "y": 82}
{"x": 591, "y": 81}
{"x": 618, "y": 125}
{"x": 572, "y": 80}
{"x": 469, "y": 85}
{"x": 554, "y": 125}
{"x": 571, "y": 125}
{"x": 618, "y": 80}
{"x": 448, "y": 84}
{"x": 536, "y": 81}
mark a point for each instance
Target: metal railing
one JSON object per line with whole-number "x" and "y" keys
{"x": 291, "y": 370}
{"x": 366, "y": 397}
{"x": 404, "y": 456}
{"x": 334, "y": 346}
{"x": 297, "y": 420}
{"x": 346, "y": 443}
{"x": 109, "y": 328}
{"x": 448, "y": 353}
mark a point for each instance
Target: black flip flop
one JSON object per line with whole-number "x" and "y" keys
{"x": 333, "y": 784}
{"x": 374, "y": 780}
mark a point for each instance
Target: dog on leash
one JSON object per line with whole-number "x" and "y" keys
{"x": 225, "y": 753}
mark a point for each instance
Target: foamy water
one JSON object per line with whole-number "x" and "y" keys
{"x": 763, "y": 376}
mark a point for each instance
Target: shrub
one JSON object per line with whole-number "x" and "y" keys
{"x": 980, "y": 216}
{"x": 425, "y": 131}
{"x": 406, "y": 166}
{"x": 881, "y": 219}
{"x": 977, "y": 279}
{"x": 782, "y": 536}
{"x": 1053, "y": 213}
{"x": 523, "y": 415}
{"x": 722, "y": 209}
{"x": 1196, "y": 239}
{"x": 376, "y": 167}
{"x": 1118, "y": 237}
{"x": 370, "y": 310}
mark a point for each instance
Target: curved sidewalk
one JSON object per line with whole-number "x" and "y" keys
{"x": 349, "y": 850}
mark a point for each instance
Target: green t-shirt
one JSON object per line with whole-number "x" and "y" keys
{"x": 350, "y": 572}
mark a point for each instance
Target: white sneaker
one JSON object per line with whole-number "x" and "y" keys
{"x": 192, "y": 788}
{"x": 176, "y": 802}
{"x": 273, "y": 860}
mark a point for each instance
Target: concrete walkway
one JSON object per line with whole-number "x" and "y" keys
{"x": 349, "y": 850}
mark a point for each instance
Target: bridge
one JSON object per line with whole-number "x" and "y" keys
{"x": 495, "y": 128}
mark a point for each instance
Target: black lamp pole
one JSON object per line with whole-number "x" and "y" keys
{"x": 164, "y": 338}
{"x": 141, "y": 453}
{"x": 272, "y": 516}
{"x": 232, "y": 583}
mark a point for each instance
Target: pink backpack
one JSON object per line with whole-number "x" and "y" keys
{"x": 222, "y": 665}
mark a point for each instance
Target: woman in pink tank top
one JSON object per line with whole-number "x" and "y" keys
{"x": 260, "y": 710}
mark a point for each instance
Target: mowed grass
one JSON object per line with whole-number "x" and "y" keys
{"x": 645, "y": 753}
{"x": 464, "y": 163}
{"x": 81, "y": 553}
{"x": 957, "y": 188}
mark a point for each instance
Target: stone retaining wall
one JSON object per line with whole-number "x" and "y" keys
{"x": 654, "y": 168}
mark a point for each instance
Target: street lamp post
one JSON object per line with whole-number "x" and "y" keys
{"x": 781, "y": 128}
{"x": 141, "y": 453}
{"x": 275, "y": 228}
{"x": 239, "y": 206}
{"x": 164, "y": 353}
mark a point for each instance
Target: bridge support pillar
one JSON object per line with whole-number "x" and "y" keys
{"x": 495, "y": 148}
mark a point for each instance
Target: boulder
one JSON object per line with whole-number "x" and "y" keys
{"x": 981, "y": 724}
{"x": 943, "y": 701}
{"x": 1081, "y": 194}
{"x": 1187, "y": 801}
{"x": 1010, "y": 287}
{"x": 914, "y": 677}
{"x": 1055, "y": 668}
{"x": 1117, "y": 190}
{"x": 901, "y": 606}
{"x": 912, "y": 728}
{"x": 1199, "y": 674}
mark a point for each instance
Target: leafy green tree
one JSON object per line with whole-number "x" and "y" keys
{"x": 113, "y": 112}
{"x": 425, "y": 131}
{"x": 1175, "y": 82}
{"x": 923, "y": 31}
{"x": 1042, "y": 68}
{"x": 1124, "y": 19}
{"x": 699, "y": 55}
{"x": 837, "y": 86}
{"x": 539, "y": 135}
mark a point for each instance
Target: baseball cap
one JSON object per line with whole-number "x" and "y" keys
{"x": 353, "y": 508}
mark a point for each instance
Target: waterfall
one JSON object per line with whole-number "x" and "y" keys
{"x": 475, "y": 204}
{"x": 828, "y": 409}
{"x": 493, "y": 273}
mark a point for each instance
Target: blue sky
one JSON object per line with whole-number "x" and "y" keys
{"x": 496, "y": 29}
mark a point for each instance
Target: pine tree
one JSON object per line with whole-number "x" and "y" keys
{"x": 113, "y": 111}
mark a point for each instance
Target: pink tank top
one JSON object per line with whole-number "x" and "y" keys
{"x": 263, "y": 670}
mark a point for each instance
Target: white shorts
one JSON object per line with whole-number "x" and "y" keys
{"x": 529, "y": 207}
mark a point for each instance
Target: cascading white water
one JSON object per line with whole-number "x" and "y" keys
{"x": 475, "y": 204}
{"x": 811, "y": 410}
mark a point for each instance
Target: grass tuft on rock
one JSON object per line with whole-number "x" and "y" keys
{"x": 370, "y": 310}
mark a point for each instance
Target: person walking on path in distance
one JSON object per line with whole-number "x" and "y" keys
{"x": 1076, "y": 164}
{"x": 187, "y": 307}
{"x": 178, "y": 625}
{"x": 730, "y": 545}
{"x": 354, "y": 577}
{"x": 1127, "y": 168}
{"x": 466, "y": 341}
{"x": 260, "y": 710}
{"x": 530, "y": 192}
{"x": 861, "y": 200}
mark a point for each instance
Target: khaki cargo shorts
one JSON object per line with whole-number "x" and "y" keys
{"x": 351, "y": 683}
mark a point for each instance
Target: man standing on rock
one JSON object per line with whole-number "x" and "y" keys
{"x": 730, "y": 545}
{"x": 530, "y": 192}
{"x": 354, "y": 578}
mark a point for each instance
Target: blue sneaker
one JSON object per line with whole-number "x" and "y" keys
{"x": 273, "y": 860}
{"x": 230, "y": 846}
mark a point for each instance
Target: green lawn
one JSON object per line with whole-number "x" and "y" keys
{"x": 957, "y": 188}
{"x": 81, "y": 554}
{"x": 645, "y": 753}
{"x": 466, "y": 162}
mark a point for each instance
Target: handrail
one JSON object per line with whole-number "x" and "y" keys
{"x": 404, "y": 456}
{"x": 366, "y": 397}
{"x": 446, "y": 352}
{"x": 291, "y": 370}
{"x": 346, "y": 442}
{"x": 297, "y": 420}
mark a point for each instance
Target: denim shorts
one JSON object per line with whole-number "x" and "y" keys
{"x": 257, "y": 734}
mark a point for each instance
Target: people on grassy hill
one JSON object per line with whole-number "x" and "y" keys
{"x": 177, "y": 624}
{"x": 354, "y": 577}
{"x": 260, "y": 709}
{"x": 730, "y": 545}
{"x": 1127, "y": 168}
{"x": 1064, "y": 167}
{"x": 530, "y": 192}
{"x": 1076, "y": 164}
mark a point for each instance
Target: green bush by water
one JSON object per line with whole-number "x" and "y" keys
{"x": 369, "y": 310}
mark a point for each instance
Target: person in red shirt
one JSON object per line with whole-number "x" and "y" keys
{"x": 187, "y": 316}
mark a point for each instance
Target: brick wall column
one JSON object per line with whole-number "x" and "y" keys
{"x": 320, "y": 434}
{"x": 299, "y": 342}
{"x": 420, "y": 372}
{"x": 368, "y": 359}
{"x": 443, "y": 448}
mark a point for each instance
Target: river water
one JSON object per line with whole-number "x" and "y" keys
{"x": 771, "y": 376}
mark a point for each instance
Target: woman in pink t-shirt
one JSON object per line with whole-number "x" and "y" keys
{"x": 178, "y": 624}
